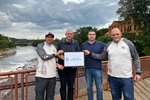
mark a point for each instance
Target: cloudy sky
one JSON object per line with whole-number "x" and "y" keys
{"x": 32, "y": 19}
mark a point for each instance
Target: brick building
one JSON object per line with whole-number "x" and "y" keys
{"x": 125, "y": 27}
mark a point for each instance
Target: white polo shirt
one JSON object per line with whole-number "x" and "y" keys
{"x": 46, "y": 68}
{"x": 119, "y": 63}
{"x": 120, "y": 56}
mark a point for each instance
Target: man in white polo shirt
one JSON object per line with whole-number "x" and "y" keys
{"x": 46, "y": 70}
{"x": 120, "y": 53}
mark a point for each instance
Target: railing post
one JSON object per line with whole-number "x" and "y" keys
{"x": 16, "y": 86}
{"x": 11, "y": 87}
{"x": 22, "y": 86}
{"x": 76, "y": 85}
{"x": 26, "y": 87}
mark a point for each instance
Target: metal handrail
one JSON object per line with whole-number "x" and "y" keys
{"x": 24, "y": 74}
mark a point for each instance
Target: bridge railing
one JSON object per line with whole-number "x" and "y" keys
{"x": 18, "y": 83}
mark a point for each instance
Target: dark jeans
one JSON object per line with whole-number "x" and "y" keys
{"x": 119, "y": 85}
{"x": 42, "y": 85}
{"x": 67, "y": 77}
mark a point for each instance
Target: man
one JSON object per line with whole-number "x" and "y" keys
{"x": 92, "y": 66}
{"x": 46, "y": 70}
{"x": 67, "y": 75}
{"x": 120, "y": 51}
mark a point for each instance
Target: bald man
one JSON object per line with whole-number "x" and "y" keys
{"x": 67, "y": 75}
{"x": 120, "y": 53}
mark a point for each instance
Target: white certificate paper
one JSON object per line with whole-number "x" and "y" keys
{"x": 73, "y": 59}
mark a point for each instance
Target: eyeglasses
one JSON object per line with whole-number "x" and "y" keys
{"x": 114, "y": 34}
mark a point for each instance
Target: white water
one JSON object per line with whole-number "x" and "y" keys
{"x": 23, "y": 57}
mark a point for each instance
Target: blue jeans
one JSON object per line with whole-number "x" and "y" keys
{"x": 96, "y": 74}
{"x": 119, "y": 85}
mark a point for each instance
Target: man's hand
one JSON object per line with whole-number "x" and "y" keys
{"x": 87, "y": 52}
{"x": 137, "y": 78}
{"x": 61, "y": 57}
{"x": 59, "y": 52}
{"x": 59, "y": 66}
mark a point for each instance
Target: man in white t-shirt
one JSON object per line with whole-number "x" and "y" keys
{"x": 120, "y": 53}
{"x": 46, "y": 70}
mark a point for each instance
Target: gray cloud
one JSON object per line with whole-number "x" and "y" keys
{"x": 39, "y": 16}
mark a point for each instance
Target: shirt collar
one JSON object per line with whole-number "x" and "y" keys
{"x": 47, "y": 44}
{"x": 64, "y": 41}
{"x": 90, "y": 43}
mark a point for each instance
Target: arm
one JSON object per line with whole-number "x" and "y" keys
{"x": 59, "y": 66}
{"x": 135, "y": 56}
{"x": 136, "y": 60}
{"x": 58, "y": 49}
{"x": 101, "y": 56}
{"x": 61, "y": 57}
{"x": 42, "y": 54}
{"x": 137, "y": 64}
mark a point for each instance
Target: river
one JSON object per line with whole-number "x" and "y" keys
{"x": 24, "y": 57}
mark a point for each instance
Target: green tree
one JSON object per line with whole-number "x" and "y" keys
{"x": 101, "y": 32}
{"x": 141, "y": 42}
{"x": 6, "y": 43}
{"x": 145, "y": 37}
{"x": 56, "y": 41}
{"x": 36, "y": 42}
{"x": 104, "y": 39}
{"x": 139, "y": 10}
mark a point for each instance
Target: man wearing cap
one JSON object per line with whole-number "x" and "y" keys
{"x": 46, "y": 70}
{"x": 67, "y": 75}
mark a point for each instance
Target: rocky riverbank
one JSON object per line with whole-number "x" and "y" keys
{"x": 4, "y": 53}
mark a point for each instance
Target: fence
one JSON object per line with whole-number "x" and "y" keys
{"x": 20, "y": 84}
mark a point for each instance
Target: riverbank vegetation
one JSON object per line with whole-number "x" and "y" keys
{"x": 6, "y": 43}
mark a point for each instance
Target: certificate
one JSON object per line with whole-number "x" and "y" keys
{"x": 73, "y": 59}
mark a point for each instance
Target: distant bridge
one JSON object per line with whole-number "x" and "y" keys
{"x": 23, "y": 44}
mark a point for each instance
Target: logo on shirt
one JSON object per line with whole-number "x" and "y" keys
{"x": 122, "y": 47}
{"x": 54, "y": 50}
